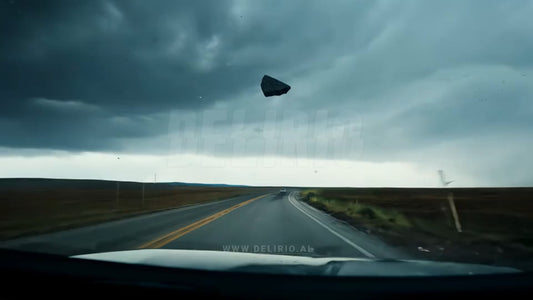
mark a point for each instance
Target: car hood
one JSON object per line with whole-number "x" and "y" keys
{"x": 285, "y": 264}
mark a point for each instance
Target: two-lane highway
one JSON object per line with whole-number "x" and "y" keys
{"x": 272, "y": 224}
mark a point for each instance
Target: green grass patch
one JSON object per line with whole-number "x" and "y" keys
{"x": 356, "y": 211}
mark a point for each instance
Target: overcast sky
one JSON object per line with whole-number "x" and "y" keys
{"x": 384, "y": 93}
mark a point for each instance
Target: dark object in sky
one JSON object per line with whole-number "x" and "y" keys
{"x": 273, "y": 87}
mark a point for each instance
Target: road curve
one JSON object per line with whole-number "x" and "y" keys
{"x": 272, "y": 224}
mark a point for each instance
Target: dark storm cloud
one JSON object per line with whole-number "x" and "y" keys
{"x": 139, "y": 58}
{"x": 108, "y": 54}
{"x": 112, "y": 75}
{"x": 128, "y": 59}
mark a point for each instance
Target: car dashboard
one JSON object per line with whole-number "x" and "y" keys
{"x": 63, "y": 277}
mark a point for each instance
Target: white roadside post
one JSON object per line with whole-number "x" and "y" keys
{"x": 454, "y": 212}
{"x": 451, "y": 202}
{"x": 117, "y": 196}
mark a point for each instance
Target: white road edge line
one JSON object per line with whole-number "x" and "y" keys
{"x": 357, "y": 247}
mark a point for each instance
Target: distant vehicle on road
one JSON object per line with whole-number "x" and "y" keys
{"x": 283, "y": 191}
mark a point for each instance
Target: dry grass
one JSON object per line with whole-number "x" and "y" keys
{"x": 497, "y": 222}
{"x": 35, "y": 206}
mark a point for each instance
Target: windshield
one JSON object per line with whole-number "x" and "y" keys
{"x": 349, "y": 129}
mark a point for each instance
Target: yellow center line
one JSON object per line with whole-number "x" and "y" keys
{"x": 169, "y": 237}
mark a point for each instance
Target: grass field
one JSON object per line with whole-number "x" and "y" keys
{"x": 36, "y": 206}
{"x": 497, "y": 223}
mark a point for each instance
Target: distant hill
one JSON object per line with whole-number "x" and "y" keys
{"x": 209, "y": 184}
{"x": 51, "y": 183}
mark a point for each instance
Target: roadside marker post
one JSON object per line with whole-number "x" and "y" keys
{"x": 454, "y": 212}
{"x": 451, "y": 202}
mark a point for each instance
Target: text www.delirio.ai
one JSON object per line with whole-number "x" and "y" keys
{"x": 269, "y": 248}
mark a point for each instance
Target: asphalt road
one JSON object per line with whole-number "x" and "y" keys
{"x": 272, "y": 224}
